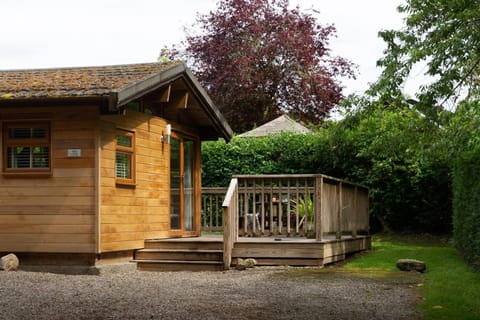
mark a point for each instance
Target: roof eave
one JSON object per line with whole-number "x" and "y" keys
{"x": 139, "y": 88}
{"x": 135, "y": 90}
{"x": 210, "y": 108}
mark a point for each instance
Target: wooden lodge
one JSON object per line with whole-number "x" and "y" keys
{"x": 102, "y": 165}
{"x": 97, "y": 159}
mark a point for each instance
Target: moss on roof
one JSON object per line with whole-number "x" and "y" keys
{"x": 74, "y": 82}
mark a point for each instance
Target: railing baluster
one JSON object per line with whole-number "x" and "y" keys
{"x": 204, "y": 210}
{"x": 245, "y": 207}
{"x": 254, "y": 207}
{"x": 262, "y": 208}
{"x": 271, "y": 226}
{"x": 288, "y": 207}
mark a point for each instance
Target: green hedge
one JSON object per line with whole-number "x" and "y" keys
{"x": 466, "y": 205}
{"x": 464, "y": 139}
{"x": 284, "y": 153}
{"x": 390, "y": 152}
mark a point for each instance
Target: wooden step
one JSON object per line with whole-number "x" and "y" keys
{"x": 185, "y": 243}
{"x": 178, "y": 265}
{"x": 179, "y": 254}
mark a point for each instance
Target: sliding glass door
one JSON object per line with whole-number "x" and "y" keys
{"x": 182, "y": 185}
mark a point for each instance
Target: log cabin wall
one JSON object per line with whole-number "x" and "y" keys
{"x": 131, "y": 214}
{"x": 53, "y": 213}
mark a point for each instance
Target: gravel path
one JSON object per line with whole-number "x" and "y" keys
{"x": 259, "y": 293}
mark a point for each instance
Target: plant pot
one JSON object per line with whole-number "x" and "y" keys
{"x": 310, "y": 234}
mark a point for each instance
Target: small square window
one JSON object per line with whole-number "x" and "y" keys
{"x": 125, "y": 157}
{"x": 27, "y": 147}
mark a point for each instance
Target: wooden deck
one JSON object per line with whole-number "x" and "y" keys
{"x": 206, "y": 252}
{"x": 271, "y": 218}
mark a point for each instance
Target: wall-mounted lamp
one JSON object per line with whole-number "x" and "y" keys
{"x": 169, "y": 132}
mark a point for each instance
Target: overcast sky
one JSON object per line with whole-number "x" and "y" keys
{"x": 60, "y": 33}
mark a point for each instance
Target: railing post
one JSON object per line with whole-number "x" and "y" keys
{"x": 354, "y": 213}
{"x": 318, "y": 207}
{"x": 339, "y": 210}
{"x": 230, "y": 212}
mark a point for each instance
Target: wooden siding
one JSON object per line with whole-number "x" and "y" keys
{"x": 56, "y": 213}
{"x": 129, "y": 215}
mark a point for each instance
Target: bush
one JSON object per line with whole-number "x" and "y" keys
{"x": 464, "y": 140}
{"x": 285, "y": 153}
{"x": 466, "y": 206}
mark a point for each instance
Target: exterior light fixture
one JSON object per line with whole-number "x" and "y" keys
{"x": 169, "y": 132}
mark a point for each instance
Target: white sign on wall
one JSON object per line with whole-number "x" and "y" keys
{"x": 74, "y": 153}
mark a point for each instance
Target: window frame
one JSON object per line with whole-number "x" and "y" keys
{"x": 26, "y": 142}
{"x": 130, "y": 151}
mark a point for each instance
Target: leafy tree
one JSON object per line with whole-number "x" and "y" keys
{"x": 259, "y": 59}
{"x": 443, "y": 35}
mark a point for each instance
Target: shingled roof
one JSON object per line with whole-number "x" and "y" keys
{"x": 117, "y": 85}
{"x": 74, "y": 82}
{"x": 281, "y": 124}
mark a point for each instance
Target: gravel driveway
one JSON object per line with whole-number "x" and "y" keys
{"x": 259, "y": 293}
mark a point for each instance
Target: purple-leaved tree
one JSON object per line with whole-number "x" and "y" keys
{"x": 259, "y": 59}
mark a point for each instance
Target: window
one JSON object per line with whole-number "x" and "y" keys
{"x": 125, "y": 157}
{"x": 27, "y": 147}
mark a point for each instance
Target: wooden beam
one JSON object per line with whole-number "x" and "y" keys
{"x": 165, "y": 94}
{"x": 180, "y": 101}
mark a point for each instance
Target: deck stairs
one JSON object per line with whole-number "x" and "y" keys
{"x": 185, "y": 254}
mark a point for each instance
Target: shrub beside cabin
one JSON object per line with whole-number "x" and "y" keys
{"x": 95, "y": 160}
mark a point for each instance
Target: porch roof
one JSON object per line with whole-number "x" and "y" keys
{"x": 118, "y": 85}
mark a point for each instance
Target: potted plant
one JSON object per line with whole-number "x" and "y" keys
{"x": 304, "y": 207}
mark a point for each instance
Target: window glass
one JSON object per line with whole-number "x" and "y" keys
{"x": 123, "y": 165}
{"x": 27, "y": 146}
{"x": 124, "y": 141}
{"x": 27, "y": 133}
{"x": 125, "y": 157}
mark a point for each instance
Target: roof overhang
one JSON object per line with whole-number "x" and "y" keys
{"x": 165, "y": 79}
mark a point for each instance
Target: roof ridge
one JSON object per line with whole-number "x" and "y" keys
{"x": 173, "y": 62}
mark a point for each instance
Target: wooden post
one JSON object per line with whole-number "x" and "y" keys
{"x": 339, "y": 210}
{"x": 245, "y": 207}
{"x": 271, "y": 208}
{"x": 288, "y": 208}
{"x": 211, "y": 210}
{"x": 262, "y": 208}
{"x": 230, "y": 213}
{"x": 280, "y": 207}
{"x": 354, "y": 213}
{"x": 318, "y": 207}
{"x": 217, "y": 207}
{"x": 254, "y": 207}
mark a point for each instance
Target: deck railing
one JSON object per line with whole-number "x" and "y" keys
{"x": 313, "y": 206}
{"x": 212, "y": 199}
{"x": 300, "y": 206}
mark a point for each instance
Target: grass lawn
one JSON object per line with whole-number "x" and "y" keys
{"x": 450, "y": 289}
